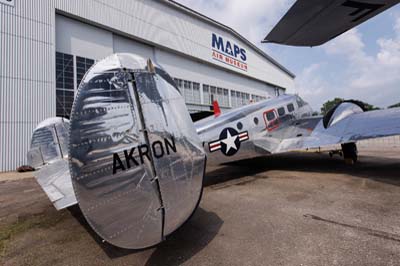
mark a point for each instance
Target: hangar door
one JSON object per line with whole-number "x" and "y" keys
{"x": 125, "y": 45}
{"x": 78, "y": 46}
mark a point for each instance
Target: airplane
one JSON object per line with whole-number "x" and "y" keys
{"x": 136, "y": 161}
{"x": 315, "y": 22}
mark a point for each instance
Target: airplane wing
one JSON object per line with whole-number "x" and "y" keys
{"x": 314, "y": 22}
{"x": 48, "y": 154}
{"x": 344, "y": 129}
{"x": 55, "y": 181}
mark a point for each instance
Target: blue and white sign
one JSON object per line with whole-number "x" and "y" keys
{"x": 7, "y": 2}
{"x": 228, "y": 52}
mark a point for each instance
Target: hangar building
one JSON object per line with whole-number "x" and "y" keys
{"x": 47, "y": 46}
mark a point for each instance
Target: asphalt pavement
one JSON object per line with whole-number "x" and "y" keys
{"x": 291, "y": 209}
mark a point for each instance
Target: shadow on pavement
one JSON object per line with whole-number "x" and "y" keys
{"x": 178, "y": 247}
{"x": 379, "y": 169}
{"x": 188, "y": 240}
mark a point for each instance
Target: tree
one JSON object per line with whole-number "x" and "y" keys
{"x": 332, "y": 103}
{"x": 315, "y": 113}
{"x": 394, "y": 105}
{"x": 369, "y": 107}
{"x": 328, "y": 105}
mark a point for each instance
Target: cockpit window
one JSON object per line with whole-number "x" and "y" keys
{"x": 300, "y": 102}
{"x": 290, "y": 107}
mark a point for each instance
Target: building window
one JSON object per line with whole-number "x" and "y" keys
{"x": 225, "y": 98}
{"x": 213, "y": 92}
{"x": 245, "y": 97}
{"x": 82, "y": 66}
{"x": 190, "y": 91}
{"x": 187, "y": 86}
{"x": 219, "y": 95}
{"x": 179, "y": 84}
{"x": 238, "y": 99}
{"x": 196, "y": 93}
{"x": 206, "y": 94}
{"x": 233, "y": 99}
{"x": 64, "y": 84}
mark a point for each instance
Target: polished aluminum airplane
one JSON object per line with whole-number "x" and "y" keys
{"x": 136, "y": 161}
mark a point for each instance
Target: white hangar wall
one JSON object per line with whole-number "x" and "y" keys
{"x": 34, "y": 34}
{"x": 164, "y": 24}
{"x": 84, "y": 40}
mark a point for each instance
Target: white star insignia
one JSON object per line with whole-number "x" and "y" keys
{"x": 230, "y": 142}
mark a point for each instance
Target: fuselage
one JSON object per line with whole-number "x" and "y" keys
{"x": 253, "y": 130}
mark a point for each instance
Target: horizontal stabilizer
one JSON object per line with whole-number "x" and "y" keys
{"x": 56, "y": 182}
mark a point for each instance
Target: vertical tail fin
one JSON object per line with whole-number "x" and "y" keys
{"x": 217, "y": 110}
{"x": 136, "y": 162}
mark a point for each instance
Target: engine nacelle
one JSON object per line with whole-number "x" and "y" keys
{"x": 341, "y": 111}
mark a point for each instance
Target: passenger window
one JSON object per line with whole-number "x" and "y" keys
{"x": 290, "y": 107}
{"x": 281, "y": 111}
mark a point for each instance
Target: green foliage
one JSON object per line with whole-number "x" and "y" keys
{"x": 330, "y": 104}
{"x": 394, "y": 105}
{"x": 369, "y": 107}
{"x": 315, "y": 113}
{"x": 24, "y": 224}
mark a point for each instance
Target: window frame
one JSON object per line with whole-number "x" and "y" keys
{"x": 84, "y": 65}
{"x": 284, "y": 111}
{"x": 65, "y": 83}
{"x": 292, "y": 107}
{"x": 273, "y": 124}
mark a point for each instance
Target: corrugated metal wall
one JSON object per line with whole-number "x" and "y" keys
{"x": 26, "y": 76}
{"x": 27, "y": 55}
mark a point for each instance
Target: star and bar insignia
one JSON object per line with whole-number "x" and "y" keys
{"x": 229, "y": 141}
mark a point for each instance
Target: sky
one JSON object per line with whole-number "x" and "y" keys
{"x": 362, "y": 64}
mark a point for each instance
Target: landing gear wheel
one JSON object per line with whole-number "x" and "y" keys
{"x": 350, "y": 153}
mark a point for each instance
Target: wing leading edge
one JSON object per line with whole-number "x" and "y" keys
{"x": 314, "y": 22}
{"x": 355, "y": 127}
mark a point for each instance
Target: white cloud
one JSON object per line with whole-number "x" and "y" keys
{"x": 351, "y": 46}
{"x": 251, "y": 18}
{"x": 372, "y": 78}
{"x": 311, "y": 86}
